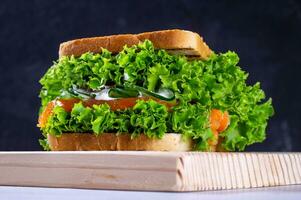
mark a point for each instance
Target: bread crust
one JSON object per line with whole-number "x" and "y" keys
{"x": 175, "y": 41}
{"x": 114, "y": 142}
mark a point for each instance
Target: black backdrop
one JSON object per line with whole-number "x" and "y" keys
{"x": 266, "y": 35}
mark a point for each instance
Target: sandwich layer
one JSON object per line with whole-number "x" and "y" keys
{"x": 144, "y": 91}
{"x": 174, "y": 41}
{"x": 114, "y": 142}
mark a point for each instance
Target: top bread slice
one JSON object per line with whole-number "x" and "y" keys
{"x": 174, "y": 41}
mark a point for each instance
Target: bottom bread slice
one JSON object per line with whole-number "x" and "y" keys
{"x": 114, "y": 142}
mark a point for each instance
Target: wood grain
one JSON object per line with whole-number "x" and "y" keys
{"x": 155, "y": 171}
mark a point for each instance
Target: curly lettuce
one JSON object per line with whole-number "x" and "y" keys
{"x": 89, "y": 71}
{"x": 199, "y": 86}
{"x": 192, "y": 121}
{"x": 148, "y": 117}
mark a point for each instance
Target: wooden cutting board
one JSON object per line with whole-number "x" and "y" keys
{"x": 156, "y": 171}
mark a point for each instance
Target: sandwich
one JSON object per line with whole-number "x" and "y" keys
{"x": 154, "y": 91}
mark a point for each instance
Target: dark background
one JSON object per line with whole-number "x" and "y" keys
{"x": 265, "y": 34}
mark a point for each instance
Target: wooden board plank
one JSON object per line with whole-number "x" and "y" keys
{"x": 156, "y": 171}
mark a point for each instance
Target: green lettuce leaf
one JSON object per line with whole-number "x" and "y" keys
{"x": 89, "y": 71}
{"x": 44, "y": 143}
{"x": 149, "y": 117}
{"x": 135, "y": 61}
{"x": 80, "y": 119}
{"x": 103, "y": 119}
{"x": 193, "y": 122}
{"x": 57, "y": 122}
{"x": 146, "y": 117}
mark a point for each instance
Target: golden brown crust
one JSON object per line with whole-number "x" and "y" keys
{"x": 175, "y": 41}
{"x": 113, "y": 142}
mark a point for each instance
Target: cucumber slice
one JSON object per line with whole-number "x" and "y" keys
{"x": 163, "y": 93}
{"x": 123, "y": 93}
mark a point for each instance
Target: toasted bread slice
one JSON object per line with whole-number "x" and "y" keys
{"x": 175, "y": 41}
{"x": 121, "y": 142}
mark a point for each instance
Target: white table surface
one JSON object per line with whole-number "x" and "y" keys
{"x": 24, "y": 193}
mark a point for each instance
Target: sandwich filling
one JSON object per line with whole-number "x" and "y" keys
{"x": 143, "y": 90}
